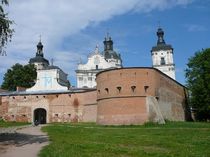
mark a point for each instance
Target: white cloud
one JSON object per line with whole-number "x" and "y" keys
{"x": 56, "y": 20}
{"x": 195, "y": 28}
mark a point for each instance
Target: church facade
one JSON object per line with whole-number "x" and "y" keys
{"x": 108, "y": 59}
{"x": 113, "y": 95}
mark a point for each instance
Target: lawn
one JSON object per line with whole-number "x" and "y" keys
{"x": 174, "y": 139}
{"x": 11, "y": 124}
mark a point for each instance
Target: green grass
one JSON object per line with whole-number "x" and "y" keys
{"x": 175, "y": 139}
{"x": 11, "y": 124}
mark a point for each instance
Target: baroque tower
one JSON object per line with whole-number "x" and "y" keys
{"x": 39, "y": 61}
{"x": 162, "y": 56}
{"x": 97, "y": 61}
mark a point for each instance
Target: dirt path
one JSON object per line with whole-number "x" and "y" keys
{"x": 26, "y": 142}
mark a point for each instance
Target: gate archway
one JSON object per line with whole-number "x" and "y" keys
{"x": 40, "y": 115}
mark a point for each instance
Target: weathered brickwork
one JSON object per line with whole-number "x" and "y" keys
{"x": 67, "y": 107}
{"x": 138, "y": 95}
{"x": 123, "y": 97}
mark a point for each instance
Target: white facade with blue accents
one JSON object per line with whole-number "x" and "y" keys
{"x": 50, "y": 79}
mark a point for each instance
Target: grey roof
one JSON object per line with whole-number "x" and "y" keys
{"x": 162, "y": 47}
{"x": 111, "y": 54}
{"x": 52, "y": 67}
{"x": 38, "y": 59}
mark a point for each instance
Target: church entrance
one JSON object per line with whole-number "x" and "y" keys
{"x": 40, "y": 115}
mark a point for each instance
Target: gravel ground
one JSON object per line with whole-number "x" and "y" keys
{"x": 26, "y": 141}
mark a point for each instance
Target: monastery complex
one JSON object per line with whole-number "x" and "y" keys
{"x": 107, "y": 93}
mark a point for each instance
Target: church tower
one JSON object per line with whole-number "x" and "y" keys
{"x": 162, "y": 56}
{"x": 39, "y": 61}
{"x": 97, "y": 61}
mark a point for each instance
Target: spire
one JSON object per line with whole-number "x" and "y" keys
{"x": 39, "y": 48}
{"x": 52, "y": 61}
{"x": 160, "y": 34}
{"x": 108, "y": 43}
{"x": 97, "y": 49}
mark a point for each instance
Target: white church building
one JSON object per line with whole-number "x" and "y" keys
{"x": 108, "y": 59}
{"x": 49, "y": 77}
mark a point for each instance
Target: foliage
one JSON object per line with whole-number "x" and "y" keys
{"x": 198, "y": 78}
{"x": 183, "y": 139}
{"x": 11, "y": 124}
{"x": 5, "y": 26}
{"x": 19, "y": 75}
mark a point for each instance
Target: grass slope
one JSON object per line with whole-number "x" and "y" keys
{"x": 177, "y": 139}
{"x": 11, "y": 124}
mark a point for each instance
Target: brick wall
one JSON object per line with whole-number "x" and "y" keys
{"x": 120, "y": 91}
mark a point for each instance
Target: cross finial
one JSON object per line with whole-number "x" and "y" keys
{"x": 107, "y": 33}
{"x": 52, "y": 60}
{"x": 40, "y": 38}
{"x": 158, "y": 23}
{"x": 97, "y": 49}
{"x": 80, "y": 60}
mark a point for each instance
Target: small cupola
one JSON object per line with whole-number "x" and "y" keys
{"x": 160, "y": 34}
{"x": 40, "y": 49}
{"x": 108, "y": 43}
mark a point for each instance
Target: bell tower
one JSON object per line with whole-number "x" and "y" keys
{"x": 39, "y": 61}
{"x": 162, "y": 56}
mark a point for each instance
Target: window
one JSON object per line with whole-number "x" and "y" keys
{"x": 133, "y": 88}
{"x": 99, "y": 91}
{"x": 96, "y": 67}
{"x": 146, "y": 88}
{"x": 162, "y": 61}
{"x": 107, "y": 90}
{"x": 80, "y": 78}
{"x": 119, "y": 89}
{"x": 89, "y": 78}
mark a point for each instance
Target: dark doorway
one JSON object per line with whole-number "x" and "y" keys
{"x": 40, "y": 115}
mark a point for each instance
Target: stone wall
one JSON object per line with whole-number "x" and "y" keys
{"x": 61, "y": 107}
{"x": 138, "y": 95}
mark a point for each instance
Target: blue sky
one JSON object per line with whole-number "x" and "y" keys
{"x": 71, "y": 29}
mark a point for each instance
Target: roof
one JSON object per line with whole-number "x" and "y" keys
{"x": 109, "y": 54}
{"x": 45, "y": 92}
{"x": 53, "y": 67}
{"x": 162, "y": 47}
{"x": 38, "y": 59}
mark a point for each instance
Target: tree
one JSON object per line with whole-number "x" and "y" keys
{"x": 19, "y": 75}
{"x": 5, "y": 27}
{"x": 198, "y": 82}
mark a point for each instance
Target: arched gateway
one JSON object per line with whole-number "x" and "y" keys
{"x": 40, "y": 115}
